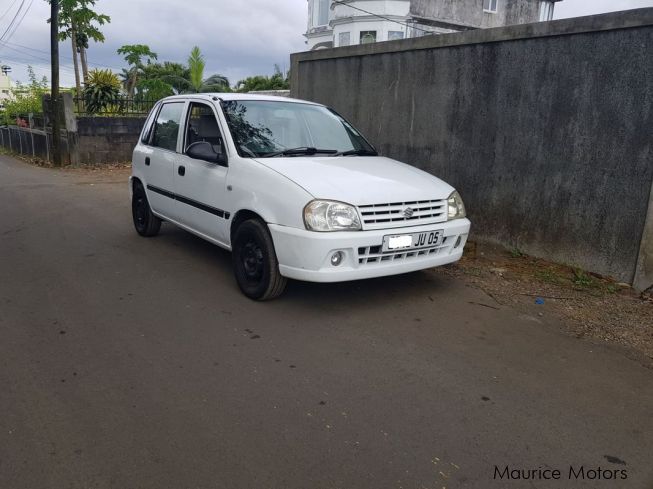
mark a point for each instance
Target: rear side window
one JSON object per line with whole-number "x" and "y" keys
{"x": 147, "y": 128}
{"x": 166, "y": 127}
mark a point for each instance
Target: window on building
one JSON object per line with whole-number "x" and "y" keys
{"x": 5, "y": 91}
{"x": 368, "y": 37}
{"x": 321, "y": 12}
{"x": 490, "y": 6}
{"x": 344, "y": 39}
{"x": 166, "y": 127}
{"x": 546, "y": 11}
{"x": 394, "y": 35}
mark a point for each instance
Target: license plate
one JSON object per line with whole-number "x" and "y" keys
{"x": 425, "y": 239}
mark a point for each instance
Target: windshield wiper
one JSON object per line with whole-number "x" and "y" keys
{"x": 299, "y": 151}
{"x": 357, "y": 152}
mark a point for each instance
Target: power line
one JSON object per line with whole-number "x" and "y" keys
{"x": 7, "y": 11}
{"x": 10, "y": 44}
{"x": 340, "y": 2}
{"x": 13, "y": 20}
{"x": 46, "y": 71}
{"x": 27, "y": 54}
{"x": 26, "y": 62}
{"x": 29, "y": 6}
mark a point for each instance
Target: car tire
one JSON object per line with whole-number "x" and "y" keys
{"x": 255, "y": 262}
{"x": 146, "y": 223}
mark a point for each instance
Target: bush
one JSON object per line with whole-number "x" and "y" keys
{"x": 25, "y": 99}
{"x": 101, "y": 90}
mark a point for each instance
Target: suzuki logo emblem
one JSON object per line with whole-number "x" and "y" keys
{"x": 408, "y": 212}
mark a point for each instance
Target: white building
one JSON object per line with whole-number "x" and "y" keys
{"x": 5, "y": 88}
{"x": 336, "y": 23}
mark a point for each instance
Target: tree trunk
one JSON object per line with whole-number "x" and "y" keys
{"x": 133, "y": 80}
{"x": 82, "y": 55}
{"x": 78, "y": 85}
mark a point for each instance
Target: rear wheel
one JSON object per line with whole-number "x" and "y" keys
{"x": 146, "y": 223}
{"x": 255, "y": 261}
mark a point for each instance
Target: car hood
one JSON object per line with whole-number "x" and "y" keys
{"x": 359, "y": 180}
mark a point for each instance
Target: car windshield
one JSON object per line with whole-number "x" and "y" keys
{"x": 262, "y": 128}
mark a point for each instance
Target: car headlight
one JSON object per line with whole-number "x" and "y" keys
{"x": 456, "y": 208}
{"x": 327, "y": 215}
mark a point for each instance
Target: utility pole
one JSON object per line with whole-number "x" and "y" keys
{"x": 54, "y": 98}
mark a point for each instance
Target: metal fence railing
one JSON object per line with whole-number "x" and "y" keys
{"x": 121, "y": 106}
{"x": 30, "y": 142}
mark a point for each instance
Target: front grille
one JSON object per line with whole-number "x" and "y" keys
{"x": 374, "y": 254}
{"x": 381, "y": 216}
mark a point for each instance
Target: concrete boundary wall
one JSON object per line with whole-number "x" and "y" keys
{"x": 544, "y": 128}
{"x": 107, "y": 139}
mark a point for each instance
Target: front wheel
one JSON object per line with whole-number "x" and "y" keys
{"x": 255, "y": 261}
{"x": 146, "y": 223}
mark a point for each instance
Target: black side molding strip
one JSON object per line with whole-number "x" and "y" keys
{"x": 185, "y": 200}
{"x": 158, "y": 190}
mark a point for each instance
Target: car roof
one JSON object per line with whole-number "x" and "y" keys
{"x": 237, "y": 96}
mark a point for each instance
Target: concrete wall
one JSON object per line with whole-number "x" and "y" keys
{"x": 107, "y": 139}
{"x": 470, "y": 12}
{"x": 644, "y": 271}
{"x": 544, "y": 128}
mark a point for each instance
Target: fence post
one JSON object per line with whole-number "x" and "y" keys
{"x": 20, "y": 140}
{"x": 31, "y": 127}
{"x": 9, "y": 131}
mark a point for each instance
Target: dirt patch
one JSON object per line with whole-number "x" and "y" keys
{"x": 587, "y": 304}
{"x": 106, "y": 168}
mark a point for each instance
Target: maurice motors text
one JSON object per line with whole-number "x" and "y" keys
{"x": 572, "y": 473}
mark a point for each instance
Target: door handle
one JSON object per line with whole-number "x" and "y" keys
{"x": 181, "y": 170}
{"x": 147, "y": 161}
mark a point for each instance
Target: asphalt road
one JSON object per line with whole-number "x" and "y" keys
{"x": 136, "y": 363}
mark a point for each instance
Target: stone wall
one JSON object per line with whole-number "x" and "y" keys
{"x": 107, "y": 139}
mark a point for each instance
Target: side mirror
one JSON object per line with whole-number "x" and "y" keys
{"x": 203, "y": 150}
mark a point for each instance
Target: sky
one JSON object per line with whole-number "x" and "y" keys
{"x": 238, "y": 38}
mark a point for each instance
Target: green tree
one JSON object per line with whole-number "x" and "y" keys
{"x": 80, "y": 23}
{"x": 135, "y": 54}
{"x": 174, "y": 75}
{"x": 278, "y": 81}
{"x": 196, "y": 81}
{"x": 25, "y": 99}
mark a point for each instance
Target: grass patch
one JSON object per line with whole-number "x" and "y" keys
{"x": 583, "y": 279}
{"x": 548, "y": 276}
{"x": 516, "y": 253}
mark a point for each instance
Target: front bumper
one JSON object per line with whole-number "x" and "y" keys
{"x": 306, "y": 255}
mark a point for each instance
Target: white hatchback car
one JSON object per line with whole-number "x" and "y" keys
{"x": 292, "y": 189}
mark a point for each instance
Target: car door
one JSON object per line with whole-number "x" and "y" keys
{"x": 160, "y": 154}
{"x": 201, "y": 185}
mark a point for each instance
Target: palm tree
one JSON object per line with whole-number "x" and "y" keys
{"x": 196, "y": 81}
{"x": 175, "y": 75}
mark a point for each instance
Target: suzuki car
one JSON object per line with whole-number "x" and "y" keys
{"x": 292, "y": 189}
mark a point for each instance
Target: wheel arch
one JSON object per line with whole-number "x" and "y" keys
{"x": 240, "y": 217}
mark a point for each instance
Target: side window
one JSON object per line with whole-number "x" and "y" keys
{"x": 147, "y": 128}
{"x": 203, "y": 126}
{"x": 166, "y": 128}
